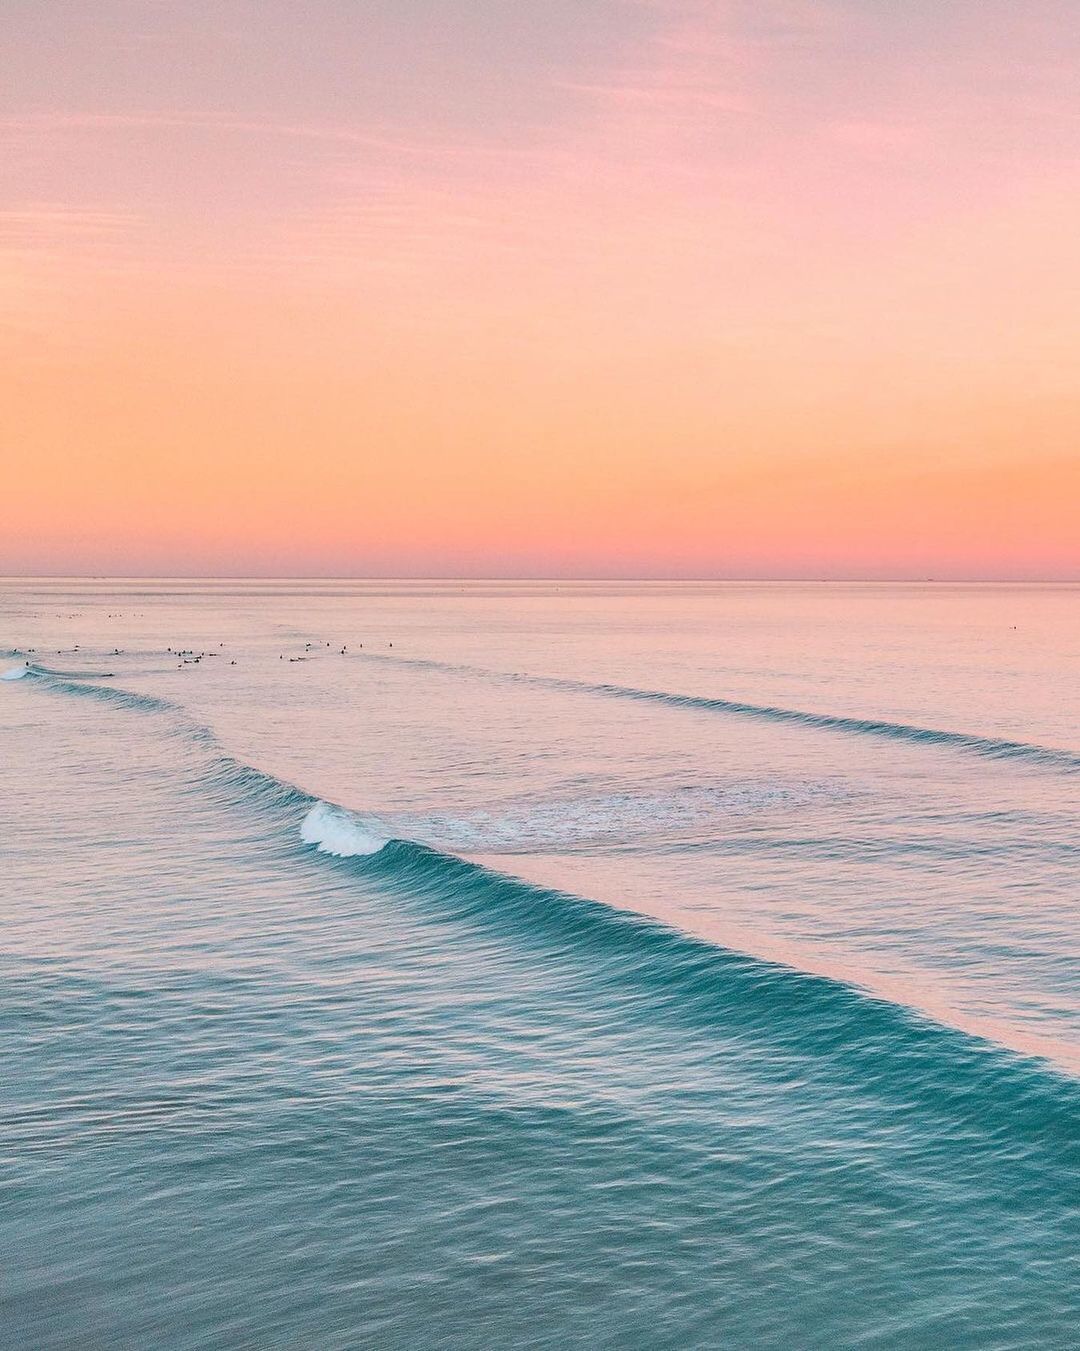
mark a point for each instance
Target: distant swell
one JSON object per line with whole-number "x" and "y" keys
{"x": 994, "y": 747}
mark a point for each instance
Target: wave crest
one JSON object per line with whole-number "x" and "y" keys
{"x": 344, "y": 834}
{"x": 993, "y": 747}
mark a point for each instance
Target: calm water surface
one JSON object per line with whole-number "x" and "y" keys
{"x": 506, "y": 964}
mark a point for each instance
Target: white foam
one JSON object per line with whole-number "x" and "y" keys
{"x": 623, "y": 819}
{"x": 333, "y": 830}
{"x": 15, "y": 673}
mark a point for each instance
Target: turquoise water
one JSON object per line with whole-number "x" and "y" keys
{"x": 603, "y": 965}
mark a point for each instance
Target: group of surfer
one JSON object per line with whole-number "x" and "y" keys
{"x": 188, "y": 656}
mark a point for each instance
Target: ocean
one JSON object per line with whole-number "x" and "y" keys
{"x": 499, "y": 964}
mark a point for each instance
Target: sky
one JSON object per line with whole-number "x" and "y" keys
{"x": 597, "y": 288}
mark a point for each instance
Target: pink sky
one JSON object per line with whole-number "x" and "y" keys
{"x": 595, "y": 287}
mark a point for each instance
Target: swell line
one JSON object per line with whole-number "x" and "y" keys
{"x": 685, "y": 975}
{"x": 232, "y": 778}
{"x": 993, "y": 747}
{"x": 66, "y": 682}
{"x": 646, "y": 968}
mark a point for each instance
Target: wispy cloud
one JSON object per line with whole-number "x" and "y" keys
{"x": 24, "y": 225}
{"x": 56, "y": 124}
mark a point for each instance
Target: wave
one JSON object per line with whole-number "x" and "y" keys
{"x": 477, "y": 892}
{"x": 970, "y": 742}
{"x": 882, "y": 1042}
{"x": 144, "y": 703}
{"x": 864, "y": 1044}
{"x": 995, "y": 747}
{"x": 37, "y": 669}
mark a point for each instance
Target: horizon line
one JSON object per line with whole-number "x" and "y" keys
{"x": 539, "y": 578}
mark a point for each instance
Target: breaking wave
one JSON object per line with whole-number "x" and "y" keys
{"x": 344, "y": 834}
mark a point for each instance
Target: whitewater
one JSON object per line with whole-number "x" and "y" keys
{"x": 523, "y": 964}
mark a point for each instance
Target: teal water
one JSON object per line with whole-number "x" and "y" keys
{"x": 660, "y": 966}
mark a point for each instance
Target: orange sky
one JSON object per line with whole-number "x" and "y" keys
{"x": 629, "y": 287}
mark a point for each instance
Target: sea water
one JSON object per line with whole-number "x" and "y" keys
{"x": 535, "y": 964}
